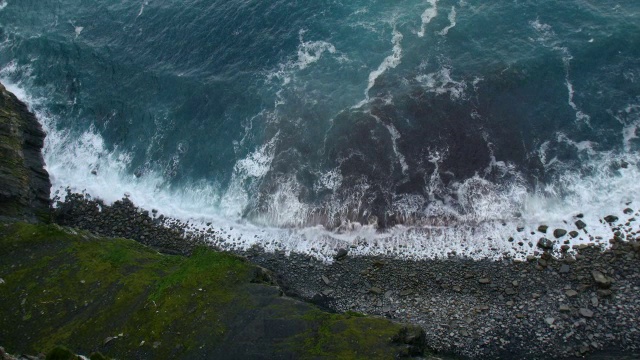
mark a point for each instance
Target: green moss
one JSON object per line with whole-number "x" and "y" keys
{"x": 61, "y": 353}
{"x": 74, "y": 289}
{"x": 347, "y": 336}
{"x": 70, "y": 288}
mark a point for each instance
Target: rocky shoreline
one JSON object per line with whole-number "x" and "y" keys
{"x": 573, "y": 302}
{"x": 583, "y": 303}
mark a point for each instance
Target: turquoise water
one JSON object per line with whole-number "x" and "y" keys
{"x": 298, "y": 114}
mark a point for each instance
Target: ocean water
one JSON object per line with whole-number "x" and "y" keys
{"x": 415, "y": 128}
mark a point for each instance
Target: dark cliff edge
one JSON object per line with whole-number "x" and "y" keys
{"x": 24, "y": 183}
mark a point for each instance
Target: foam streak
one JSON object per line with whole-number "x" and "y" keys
{"x": 427, "y": 16}
{"x": 390, "y": 62}
{"x": 452, "y": 22}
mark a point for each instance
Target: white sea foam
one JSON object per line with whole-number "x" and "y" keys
{"x": 390, "y": 62}
{"x": 395, "y": 135}
{"x": 331, "y": 180}
{"x": 452, "y": 22}
{"x": 3, "y": 4}
{"x": 441, "y": 82}
{"x": 582, "y": 146}
{"x": 548, "y": 38}
{"x": 629, "y": 117}
{"x": 144, "y": 3}
{"x": 478, "y": 226}
{"x": 246, "y": 173}
{"x": 76, "y": 29}
{"x": 428, "y": 15}
{"x": 308, "y": 52}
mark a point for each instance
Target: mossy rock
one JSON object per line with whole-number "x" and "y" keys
{"x": 61, "y": 353}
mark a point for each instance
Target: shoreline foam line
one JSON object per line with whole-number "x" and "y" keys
{"x": 595, "y": 189}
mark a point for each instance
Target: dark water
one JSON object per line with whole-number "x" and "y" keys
{"x": 334, "y": 112}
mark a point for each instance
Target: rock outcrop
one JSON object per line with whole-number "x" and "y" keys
{"x": 24, "y": 183}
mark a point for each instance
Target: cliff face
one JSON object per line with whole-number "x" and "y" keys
{"x": 24, "y": 183}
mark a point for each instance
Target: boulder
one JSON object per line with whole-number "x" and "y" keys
{"x": 571, "y": 293}
{"x": 580, "y": 224}
{"x": 603, "y": 281}
{"x": 586, "y": 312}
{"x": 342, "y": 253}
{"x": 375, "y": 290}
{"x": 543, "y": 228}
{"x": 325, "y": 280}
{"x": 545, "y": 243}
{"x": 610, "y": 218}
{"x": 558, "y": 233}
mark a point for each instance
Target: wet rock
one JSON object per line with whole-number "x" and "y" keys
{"x": 545, "y": 243}
{"x": 342, "y": 253}
{"x": 484, "y": 281}
{"x": 603, "y": 281}
{"x": 610, "y": 218}
{"x": 628, "y": 211}
{"x": 580, "y": 224}
{"x": 564, "y": 308}
{"x": 564, "y": 269}
{"x": 558, "y": 233}
{"x": 413, "y": 338}
{"x": 549, "y": 320}
{"x": 543, "y": 228}
{"x": 573, "y": 233}
{"x": 542, "y": 262}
